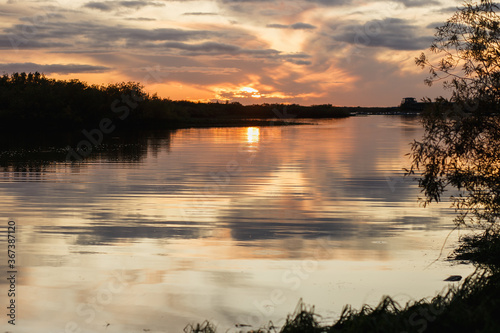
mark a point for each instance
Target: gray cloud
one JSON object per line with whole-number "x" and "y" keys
{"x": 238, "y": 4}
{"x": 213, "y": 48}
{"x": 92, "y": 38}
{"x": 246, "y": 1}
{"x": 434, "y": 25}
{"x": 140, "y": 4}
{"x": 300, "y": 62}
{"x": 221, "y": 48}
{"x": 302, "y": 26}
{"x": 89, "y": 36}
{"x": 52, "y": 69}
{"x": 107, "y": 6}
{"x": 157, "y": 34}
{"x": 447, "y": 10}
{"x": 295, "y": 26}
{"x": 299, "y": 55}
{"x": 256, "y": 10}
{"x": 145, "y": 19}
{"x": 200, "y": 14}
{"x": 330, "y": 3}
{"x": 336, "y": 3}
{"x": 418, "y": 3}
{"x": 278, "y": 26}
{"x": 207, "y": 47}
{"x": 19, "y": 41}
{"x": 320, "y": 2}
{"x": 392, "y": 33}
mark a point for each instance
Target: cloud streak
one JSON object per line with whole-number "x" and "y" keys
{"x": 295, "y": 26}
{"x": 52, "y": 68}
{"x": 108, "y": 6}
{"x": 391, "y": 33}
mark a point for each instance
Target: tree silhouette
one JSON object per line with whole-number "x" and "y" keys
{"x": 461, "y": 145}
{"x": 469, "y": 46}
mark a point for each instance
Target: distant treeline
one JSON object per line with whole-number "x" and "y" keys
{"x": 35, "y": 100}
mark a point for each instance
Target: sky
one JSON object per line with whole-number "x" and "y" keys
{"x": 340, "y": 52}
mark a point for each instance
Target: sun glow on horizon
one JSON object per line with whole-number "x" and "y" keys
{"x": 249, "y": 90}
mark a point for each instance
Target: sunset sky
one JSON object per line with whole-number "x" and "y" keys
{"x": 343, "y": 52}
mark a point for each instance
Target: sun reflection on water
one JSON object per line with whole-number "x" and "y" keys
{"x": 253, "y": 134}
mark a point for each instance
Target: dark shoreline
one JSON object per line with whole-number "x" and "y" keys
{"x": 32, "y": 102}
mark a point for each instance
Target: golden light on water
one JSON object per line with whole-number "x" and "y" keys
{"x": 198, "y": 234}
{"x": 253, "y": 134}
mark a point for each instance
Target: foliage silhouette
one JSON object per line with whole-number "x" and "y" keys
{"x": 462, "y": 133}
{"x": 469, "y": 45}
{"x": 34, "y": 101}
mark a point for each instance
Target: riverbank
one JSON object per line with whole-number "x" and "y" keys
{"x": 32, "y": 101}
{"x": 470, "y": 306}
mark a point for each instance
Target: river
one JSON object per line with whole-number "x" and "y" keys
{"x": 233, "y": 225}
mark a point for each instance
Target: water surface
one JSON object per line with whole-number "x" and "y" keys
{"x": 235, "y": 225}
